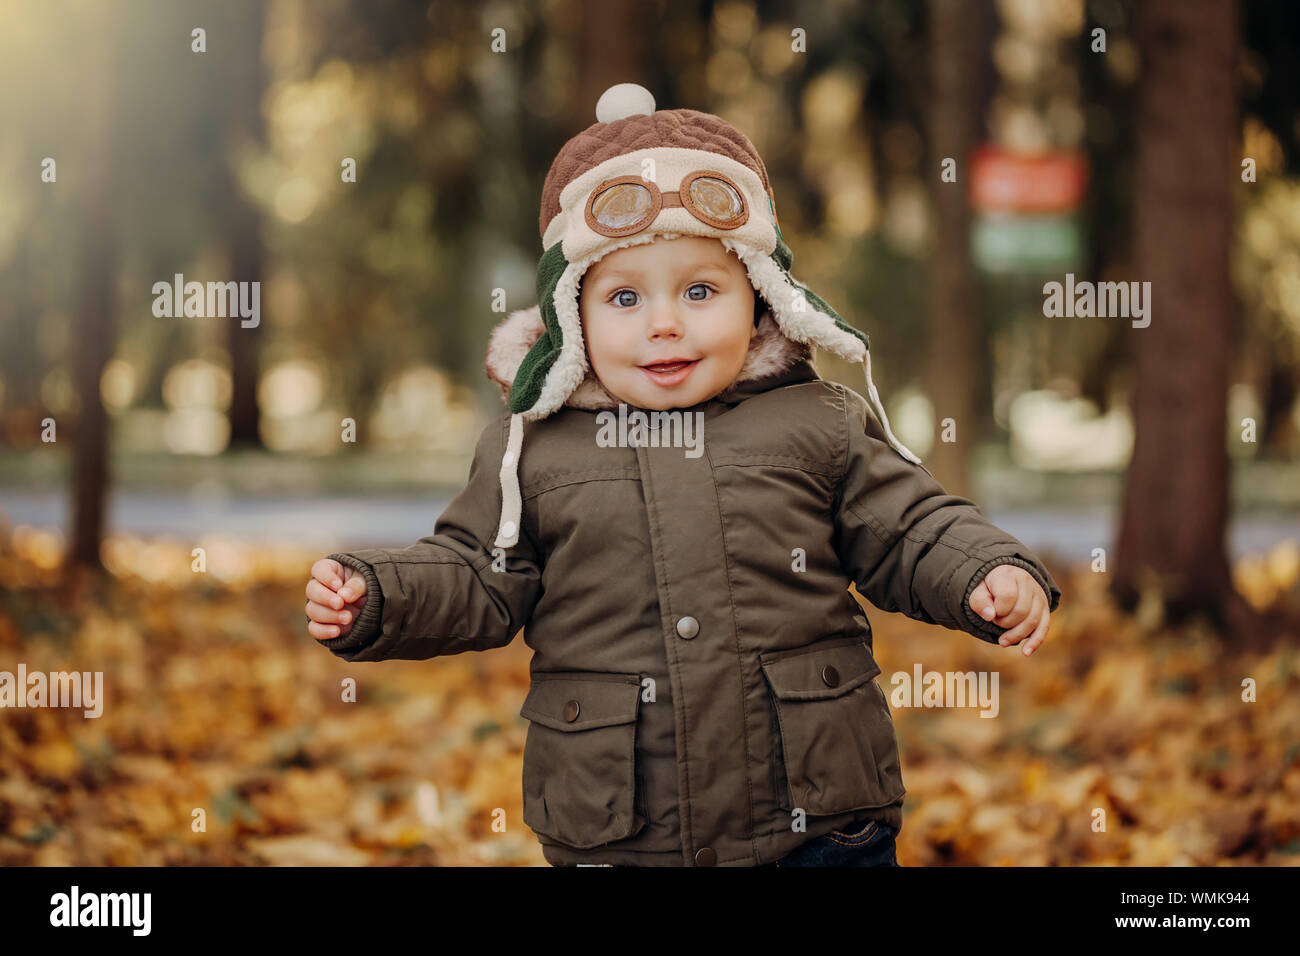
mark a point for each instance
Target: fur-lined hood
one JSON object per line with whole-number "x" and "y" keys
{"x": 770, "y": 353}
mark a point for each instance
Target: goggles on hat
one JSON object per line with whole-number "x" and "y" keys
{"x": 628, "y": 204}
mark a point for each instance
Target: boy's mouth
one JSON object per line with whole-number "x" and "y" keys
{"x": 670, "y": 373}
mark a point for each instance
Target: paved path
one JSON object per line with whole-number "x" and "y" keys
{"x": 1070, "y": 533}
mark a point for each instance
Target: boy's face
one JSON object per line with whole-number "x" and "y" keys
{"x": 687, "y": 298}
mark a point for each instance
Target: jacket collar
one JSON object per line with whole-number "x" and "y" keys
{"x": 773, "y": 360}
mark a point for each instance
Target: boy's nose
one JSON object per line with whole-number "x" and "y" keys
{"x": 664, "y": 320}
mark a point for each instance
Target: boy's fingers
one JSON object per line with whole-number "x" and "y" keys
{"x": 326, "y": 615}
{"x": 354, "y": 588}
{"x": 1020, "y": 610}
{"x": 1020, "y": 631}
{"x": 322, "y": 632}
{"x": 329, "y": 572}
{"x": 1005, "y": 588}
{"x": 323, "y": 595}
{"x": 1040, "y": 633}
{"x": 981, "y": 601}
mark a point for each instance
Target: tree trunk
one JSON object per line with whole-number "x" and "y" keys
{"x": 96, "y": 317}
{"x": 953, "y": 312}
{"x": 243, "y": 232}
{"x": 603, "y": 60}
{"x": 1279, "y": 394}
{"x": 1171, "y": 539}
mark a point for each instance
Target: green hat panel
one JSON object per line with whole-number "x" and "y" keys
{"x": 527, "y": 385}
{"x": 784, "y": 259}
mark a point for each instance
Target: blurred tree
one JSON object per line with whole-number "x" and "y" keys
{"x": 1271, "y": 37}
{"x": 242, "y": 220}
{"x": 1107, "y": 82}
{"x": 1270, "y": 31}
{"x": 953, "y": 308}
{"x": 96, "y": 315}
{"x": 1171, "y": 539}
{"x": 612, "y": 48}
{"x": 884, "y": 48}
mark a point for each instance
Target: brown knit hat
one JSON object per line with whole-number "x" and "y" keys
{"x": 684, "y": 129}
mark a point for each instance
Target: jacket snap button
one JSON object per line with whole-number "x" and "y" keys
{"x": 705, "y": 856}
{"x": 688, "y": 627}
{"x": 571, "y": 711}
{"x": 831, "y": 676}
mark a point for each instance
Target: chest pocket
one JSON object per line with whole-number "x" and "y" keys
{"x": 838, "y": 749}
{"x": 580, "y": 757}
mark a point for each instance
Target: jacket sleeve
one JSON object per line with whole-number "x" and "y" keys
{"x": 442, "y": 594}
{"x": 908, "y": 545}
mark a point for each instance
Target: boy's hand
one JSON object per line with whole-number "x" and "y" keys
{"x": 335, "y": 595}
{"x": 1010, "y": 597}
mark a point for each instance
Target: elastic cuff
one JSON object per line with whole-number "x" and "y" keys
{"x": 365, "y": 629}
{"x": 988, "y": 628}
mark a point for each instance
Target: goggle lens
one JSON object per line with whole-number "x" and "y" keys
{"x": 715, "y": 198}
{"x": 622, "y": 205}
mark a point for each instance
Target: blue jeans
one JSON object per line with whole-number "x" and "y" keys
{"x": 862, "y": 843}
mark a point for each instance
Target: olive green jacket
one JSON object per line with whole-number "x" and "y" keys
{"x": 703, "y": 684}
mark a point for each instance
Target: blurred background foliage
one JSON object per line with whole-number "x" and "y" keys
{"x": 378, "y": 295}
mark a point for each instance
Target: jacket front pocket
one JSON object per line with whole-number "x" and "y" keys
{"x": 837, "y": 738}
{"x": 580, "y": 757}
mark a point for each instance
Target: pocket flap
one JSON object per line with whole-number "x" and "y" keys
{"x": 802, "y": 675}
{"x": 598, "y": 700}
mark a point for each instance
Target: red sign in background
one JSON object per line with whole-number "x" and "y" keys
{"x": 1003, "y": 181}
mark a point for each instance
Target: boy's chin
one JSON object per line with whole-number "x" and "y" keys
{"x": 654, "y": 398}
{"x": 667, "y": 401}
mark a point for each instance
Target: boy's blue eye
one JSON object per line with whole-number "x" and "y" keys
{"x": 617, "y": 297}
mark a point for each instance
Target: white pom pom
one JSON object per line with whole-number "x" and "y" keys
{"x": 623, "y": 100}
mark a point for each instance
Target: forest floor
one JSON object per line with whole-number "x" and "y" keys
{"x": 225, "y": 736}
